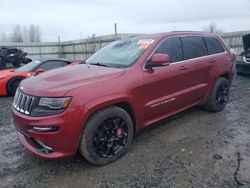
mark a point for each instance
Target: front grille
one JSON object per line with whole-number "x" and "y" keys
{"x": 23, "y": 102}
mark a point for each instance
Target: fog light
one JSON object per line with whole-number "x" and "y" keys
{"x": 45, "y": 129}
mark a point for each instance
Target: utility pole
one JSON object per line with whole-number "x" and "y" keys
{"x": 60, "y": 47}
{"x": 115, "y": 25}
{"x": 81, "y": 35}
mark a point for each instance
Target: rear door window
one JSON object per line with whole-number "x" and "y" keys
{"x": 213, "y": 45}
{"x": 173, "y": 48}
{"x": 193, "y": 47}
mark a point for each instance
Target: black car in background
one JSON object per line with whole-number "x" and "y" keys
{"x": 12, "y": 57}
{"x": 243, "y": 60}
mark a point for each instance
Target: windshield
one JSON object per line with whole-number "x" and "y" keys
{"x": 120, "y": 54}
{"x": 28, "y": 67}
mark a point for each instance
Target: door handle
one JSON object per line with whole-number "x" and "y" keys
{"x": 211, "y": 60}
{"x": 183, "y": 67}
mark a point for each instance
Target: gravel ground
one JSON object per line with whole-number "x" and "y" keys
{"x": 192, "y": 149}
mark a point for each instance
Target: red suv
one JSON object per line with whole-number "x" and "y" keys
{"x": 96, "y": 107}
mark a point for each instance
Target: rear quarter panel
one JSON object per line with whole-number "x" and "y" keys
{"x": 223, "y": 67}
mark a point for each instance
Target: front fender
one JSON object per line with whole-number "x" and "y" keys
{"x": 109, "y": 100}
{"x": 3, "y": 85}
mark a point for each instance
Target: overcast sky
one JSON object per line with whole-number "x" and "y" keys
{"x": 69, "y": 18}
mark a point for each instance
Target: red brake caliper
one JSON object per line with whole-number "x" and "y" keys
{"x": 119, "y": 132}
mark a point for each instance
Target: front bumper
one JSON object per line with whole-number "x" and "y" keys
{"x": 63, "y": 142}
{"x": 243, "y": 68}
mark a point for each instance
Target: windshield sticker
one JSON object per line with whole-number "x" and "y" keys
{"x": 145, "y": 43}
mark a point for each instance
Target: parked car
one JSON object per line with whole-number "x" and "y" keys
{"x": 243, "y": 60}
{"x": 13, "y": 56}
{"x": 10, "y": 78}
{"x": 98, "y": 106}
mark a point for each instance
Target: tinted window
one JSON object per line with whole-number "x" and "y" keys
{"x": 52, "y": 65}
{"x": 173, "y": 48}
{"x": 28, "y": 67}
{"x": 193, "y": 47}
{"x": 213, "y": 45}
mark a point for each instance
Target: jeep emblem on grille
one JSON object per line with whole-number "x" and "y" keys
{"x": 21, "y": 88}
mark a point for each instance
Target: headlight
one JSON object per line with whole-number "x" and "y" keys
{"x": 50, "y": 106}
{"x": 55, "y": 103}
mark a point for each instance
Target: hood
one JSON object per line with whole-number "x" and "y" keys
{"x": 246, "y": 42}
{"x": 6, "y": 72}
{"x": 59, "y": 81}
{"x": 10, "y": 74}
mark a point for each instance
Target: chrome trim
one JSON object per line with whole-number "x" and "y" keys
{"x": 41, "y": 147}
{"x": 23, "y": 102}
{"x": 206, "y": 56}
{"x": 45, "y": 129}
{"x": 49, "y": 149}
{"x": 246, "y": 59}
{"x": 162, "y": 102}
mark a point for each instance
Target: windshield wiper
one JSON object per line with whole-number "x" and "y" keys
{"x": 83, "y": 62}
{"x": 99, "y": 64}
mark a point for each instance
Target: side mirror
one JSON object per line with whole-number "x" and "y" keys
{"x": 158, "y": 60}
{"x": 39, "y": 71}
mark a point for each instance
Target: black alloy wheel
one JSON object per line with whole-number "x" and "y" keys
{"x": 222, "y": 95}
{"x": 106, "y": 136}
{"x": 110, "y": 137}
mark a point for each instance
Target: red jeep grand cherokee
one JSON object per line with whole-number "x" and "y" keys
{"x": 96, "y": 107}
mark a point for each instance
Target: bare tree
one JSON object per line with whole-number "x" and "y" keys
{"x": 34, "y": 33}
{"x": 4, "y": 37}
{"x": 25, "y": 34}
{"x": 39, "y": 34}
{"x": 212, "y": 28}
{"x": 16, "y": 34}
{"x": 19, "y": 33}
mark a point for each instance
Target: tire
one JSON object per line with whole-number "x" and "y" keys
{"x": 107, "y": 136}
{"x": 12, "y": 86}
{"x": 219, "y": 97}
